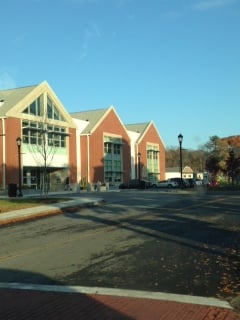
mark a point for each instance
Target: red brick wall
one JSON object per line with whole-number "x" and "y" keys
{"x": 13, "y": 130}
{"x": 112, "y": 126}
{"x": 1, "y": 153}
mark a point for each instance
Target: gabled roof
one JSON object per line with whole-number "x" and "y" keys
{"x": 137, "y": 127}
{"x": 141, "y": 128}
{"x": 92, "y": 116}
{"x": 9, "y": 98}
{"x": 14, "y": 101}
{"x": 187, "y": 169}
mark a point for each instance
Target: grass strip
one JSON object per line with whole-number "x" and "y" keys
{"x": 11, "y": 204}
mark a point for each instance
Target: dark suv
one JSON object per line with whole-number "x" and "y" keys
{"x": 135, "y": 184}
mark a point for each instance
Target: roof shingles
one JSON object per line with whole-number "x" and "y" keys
{"x": 11, "y": 97}
{"x": 92, "y": 116}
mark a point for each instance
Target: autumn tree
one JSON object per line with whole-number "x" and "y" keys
{"x": 217, "y": 156}
{"x": 233, "y": 167}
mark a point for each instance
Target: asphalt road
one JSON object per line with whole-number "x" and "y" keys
{"x": 168, "y": 241}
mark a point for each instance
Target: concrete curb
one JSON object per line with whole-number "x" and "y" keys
{"x": 212, "y": 302}
{"x": 46, "y": 210}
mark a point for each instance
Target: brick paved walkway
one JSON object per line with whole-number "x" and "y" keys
{"x": 39, "y": 305}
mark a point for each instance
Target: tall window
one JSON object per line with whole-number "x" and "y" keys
{"x": 112, "y": 159}
{"x": 153, "y": 162}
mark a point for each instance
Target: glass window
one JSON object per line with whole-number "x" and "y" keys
{"x": 33, "y": 137}
{"x": 117, "y": 165}
{"x": 56, "y": 115}
{"x": 32, "y": 108}
{"x": 112, "y": 159}
{"x": 50, "y": 139}
{"x": 34, "y": 133}
{"x": 35, "y": 107}
{"x": 152, "y": 162}
{"x": 53, "y": 112}
{"x": 49, "y": 109}
{"x": 117, "y": 148}
{"x": 108, "y": 165}
{"x": 63, "y": 142}
{"x": 107, "y": 147}
{"x": 25, "y": 132}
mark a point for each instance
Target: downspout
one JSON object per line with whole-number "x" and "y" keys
{"x": 136, "y": 162}
{"x": 3, "y": 154}
{"x": 88, "y": 159}
{"x": 79, "y": 174}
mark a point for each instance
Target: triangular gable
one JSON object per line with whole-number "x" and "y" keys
{"x": 187, "y": 169}
{"x": 148, "y": 125}
{"x": 31, "y": 95}
{"x": 95, "y": 117}
{"x": 140, "y": 128}
{"x": 111, "y": 108}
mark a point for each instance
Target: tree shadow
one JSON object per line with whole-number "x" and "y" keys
{"x": 175, "y": 229}
{"x": 211, "y": 248}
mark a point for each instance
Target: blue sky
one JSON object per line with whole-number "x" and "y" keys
{"x": 175, "y": 62}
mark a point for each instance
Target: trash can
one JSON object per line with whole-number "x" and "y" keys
{"x": 12, "y": 190}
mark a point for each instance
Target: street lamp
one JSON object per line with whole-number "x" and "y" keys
{"x": 180, "y": 139}
{"x": 139, "y": 167}
{"x": 19, "y": 143}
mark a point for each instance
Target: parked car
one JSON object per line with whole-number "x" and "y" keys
{"x": 199, "y": 182}
{"x": 192, "y": 183}
{"x": 135, "y": 184}
{"x": 165, "y": 184}
{"x": 185, "y": 183}
{"x": 195, "y": 182}
{"x": 212, "y": 183}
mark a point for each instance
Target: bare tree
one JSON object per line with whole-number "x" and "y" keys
{"x": 43, "y": 149}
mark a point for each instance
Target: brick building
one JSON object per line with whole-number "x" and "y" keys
{"x": 91, "y": 145}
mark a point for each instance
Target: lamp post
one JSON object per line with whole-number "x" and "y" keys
{"x": 180, "y": 139}
{"x": 19, "y": 143}
{"x": 139, "y": 167}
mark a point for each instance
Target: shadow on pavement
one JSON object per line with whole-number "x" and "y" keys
{"x": 202, "y": 255}
{"x": 19, "y": 302}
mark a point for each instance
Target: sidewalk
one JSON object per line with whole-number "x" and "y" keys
{"x": 25, "y": 301}
{"x": 36, "y": 212}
